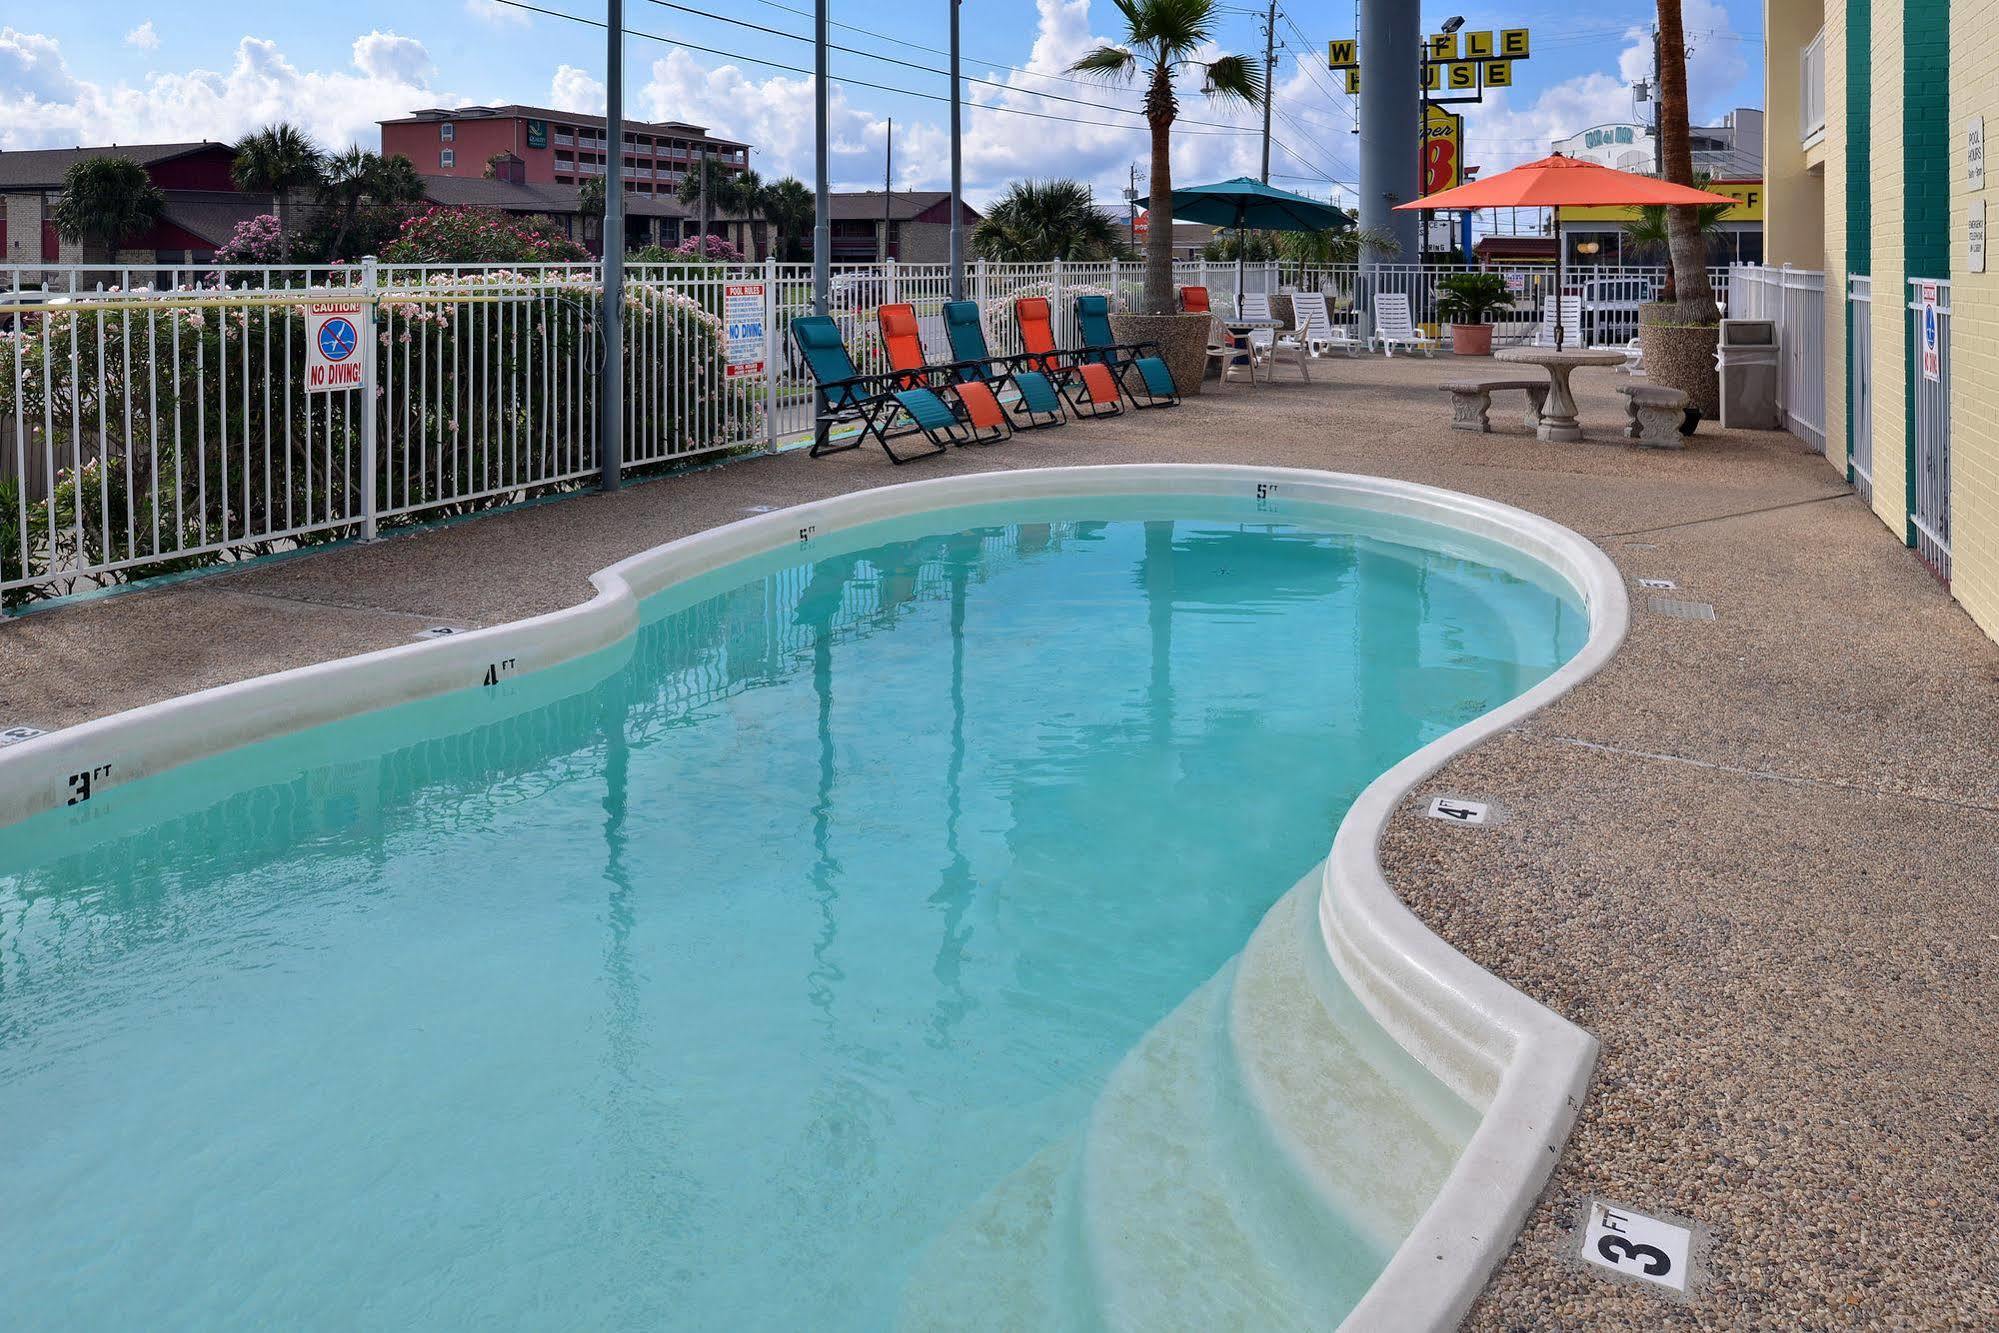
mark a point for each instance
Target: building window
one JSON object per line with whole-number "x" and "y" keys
{"x": 446, "y": 158}
{"x": 447, "y": 132}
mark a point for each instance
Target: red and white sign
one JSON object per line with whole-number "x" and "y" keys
{"x": 1926, "y": 314}
{"x": 333, "y": 332}
{"x": 1141, "y": 226}
{"x": 743, "y": 336}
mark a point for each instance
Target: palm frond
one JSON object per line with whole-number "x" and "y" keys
{"x": 1107, "y": 62}
{"x": 1235, "y": 80}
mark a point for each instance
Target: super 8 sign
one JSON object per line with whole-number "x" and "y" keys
{"x": 1443, "y": 151}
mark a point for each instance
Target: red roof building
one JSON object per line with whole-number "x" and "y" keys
{"x": 553, "y": 147}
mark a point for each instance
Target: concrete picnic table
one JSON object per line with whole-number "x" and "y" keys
{"x": 1558, "y": 414}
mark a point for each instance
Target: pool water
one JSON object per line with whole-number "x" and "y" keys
{"x": 701, "y": 982}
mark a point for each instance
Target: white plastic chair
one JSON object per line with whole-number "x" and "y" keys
{"x": 1392, "y": 325}
{"x": 1316, "y": 328}
{"x": 1572, "y": 323}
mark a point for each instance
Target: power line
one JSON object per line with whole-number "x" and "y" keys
{"x": 1235, "y": 131}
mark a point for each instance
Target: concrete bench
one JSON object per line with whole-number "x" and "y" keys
{"x": 1654, "y": 415}
{"x": 1471, "y": 399}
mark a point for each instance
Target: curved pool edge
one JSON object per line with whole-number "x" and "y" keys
{"x": 1521, "y": 1065}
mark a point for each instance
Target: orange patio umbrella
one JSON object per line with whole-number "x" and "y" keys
{"x": 1555, "y": 181}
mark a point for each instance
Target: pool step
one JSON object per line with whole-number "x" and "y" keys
{"x": 1009, "y": 1263}
{"x": 1345, "y": 1123}
{"x": 1250, "y": 1163}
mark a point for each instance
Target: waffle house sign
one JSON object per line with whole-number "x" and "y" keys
{"x": 1456, "y": 66}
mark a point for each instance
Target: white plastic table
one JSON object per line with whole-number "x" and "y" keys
{"x": 1558, "y": 414}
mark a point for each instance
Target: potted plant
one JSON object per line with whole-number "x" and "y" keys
{"x": 1466, "y": 300}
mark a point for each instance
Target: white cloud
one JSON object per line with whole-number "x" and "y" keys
{"x": 143, "y": 37}
{"x": 574, "y": 89}
{"x": 494, "y": 12}
{"x": 43, "y": 105}
{"x": 1504, "y": 134}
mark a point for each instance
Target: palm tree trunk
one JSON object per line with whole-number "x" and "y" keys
{"x": 1159, "y": 223}
{"x": 1689, "y": 251}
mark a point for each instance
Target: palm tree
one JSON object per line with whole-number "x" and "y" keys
{"x": 1689, "y": 249}
{"x": 1336, "y": 247}
{"x": 735, "y": 190}
{"x": 276, "y": 160}
{"x": 104, "y": 200}
{"x": 1163, "y": 38}
{"x": 1651, "y": 231}
{"x": 790, "y": 207}
{"x": 358, "y": 177}
{"x": 1036, "y": 221}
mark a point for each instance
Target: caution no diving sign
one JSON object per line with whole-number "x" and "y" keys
{"x": 333, "y": 346}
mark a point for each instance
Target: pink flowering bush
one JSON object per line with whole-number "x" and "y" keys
{"x": 256, "y": 241}
{"x": 711, "y": 248}
{"x": 480, "y": 236}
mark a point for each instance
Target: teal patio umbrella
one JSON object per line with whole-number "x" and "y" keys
{"x": 1245, "y": 203}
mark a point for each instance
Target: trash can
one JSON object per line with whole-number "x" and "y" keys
{"x": 1747, "y": 361}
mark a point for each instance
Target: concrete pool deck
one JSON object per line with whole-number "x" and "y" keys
{"x": 1757, "y": 856}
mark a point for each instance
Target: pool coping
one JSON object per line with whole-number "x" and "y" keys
{"x": 1522, "y": 1065}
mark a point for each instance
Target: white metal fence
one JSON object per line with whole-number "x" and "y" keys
{"x": 1929, "y": 386}
{"x": 1860, "y": 383}
{"x": 1794, "y": 298}
{"x": 157, "y": 418}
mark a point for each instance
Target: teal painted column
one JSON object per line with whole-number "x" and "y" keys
{"x": 1859, "y": 178}
{"x": 1925, "y": 193}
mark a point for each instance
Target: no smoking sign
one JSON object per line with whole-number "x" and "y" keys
{"x": 332, "y": 346}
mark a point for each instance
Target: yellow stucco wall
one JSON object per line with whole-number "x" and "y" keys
{"x": 1890, "y": 328}
{"x": 1974, "y": 334}
{"x": 1794, "y": 200}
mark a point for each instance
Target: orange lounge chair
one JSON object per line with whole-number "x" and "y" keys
{"x": 1194, "y": 301}
{"x": 972, "y": 402}
{"x": 1089, "y": 386}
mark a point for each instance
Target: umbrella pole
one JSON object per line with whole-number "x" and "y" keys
{"x": 1560, "y": 256}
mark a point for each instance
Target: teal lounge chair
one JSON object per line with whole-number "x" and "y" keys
{"x": 1093, "y": 323}
{"x": 876, "y": 403}
{"x": 1036, "y": 403}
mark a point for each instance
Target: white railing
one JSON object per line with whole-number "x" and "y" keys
{"x": 157, "y": 418}
{"x": 1811, "y": 90}
{"x": 1860, "y": 382}
{"x": 1929, "y": 386}
{"x": 1794, "y": 299}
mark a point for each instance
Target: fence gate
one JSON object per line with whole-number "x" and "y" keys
{"x": 1860, "y": 378}
{"x": 1929, "y": 445}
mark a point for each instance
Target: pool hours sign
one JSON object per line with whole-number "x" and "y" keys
{"x": 333, "y": 346}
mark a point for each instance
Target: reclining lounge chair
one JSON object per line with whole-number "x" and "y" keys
{"x": 971, "y": 401}
{"x": 1036, "y": 404}
{"x": 1126, "y": 360}
{"x": 1089, "y": 386}
{"x": 872, "y": 402}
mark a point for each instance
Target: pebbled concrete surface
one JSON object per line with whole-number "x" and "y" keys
{"x": 1757, "y": 857}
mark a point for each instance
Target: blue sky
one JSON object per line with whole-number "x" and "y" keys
{"x": 133, "y": 70}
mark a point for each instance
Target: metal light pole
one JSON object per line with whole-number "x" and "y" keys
{"x": 611, "y": 383}
{"x": 822, "y": 204}
{"x": 1391, "y": 38}
{"x": 957, "y": 169}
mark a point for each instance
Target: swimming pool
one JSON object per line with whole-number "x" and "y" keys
{"x": 859, "y": 940}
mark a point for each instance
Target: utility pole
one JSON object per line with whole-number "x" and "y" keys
{"x": 957, "y": 170}
{"x": 822, "y": 206}
{"x": 611, "y": 393}
{"x": 888, "y": 176}
{"x": 1269, "y": 79}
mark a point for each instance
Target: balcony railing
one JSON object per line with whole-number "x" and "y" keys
{"x": 1811, "y": 90}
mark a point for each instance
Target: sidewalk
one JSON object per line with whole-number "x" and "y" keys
{"x": 1757, "y": 857}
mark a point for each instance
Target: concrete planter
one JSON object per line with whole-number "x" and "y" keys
{"x": 1182, "y": 339}
{"x": 1471, "y": 339}
{"x": 1681, "y": 356}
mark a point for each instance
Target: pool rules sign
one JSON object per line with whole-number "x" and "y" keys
{"x": 743, "y": 329}
{"x": 333, "y": 346}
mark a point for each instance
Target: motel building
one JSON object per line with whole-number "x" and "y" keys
{"x": 1730, "y": 154}
{"x": 1875, "y": 178}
